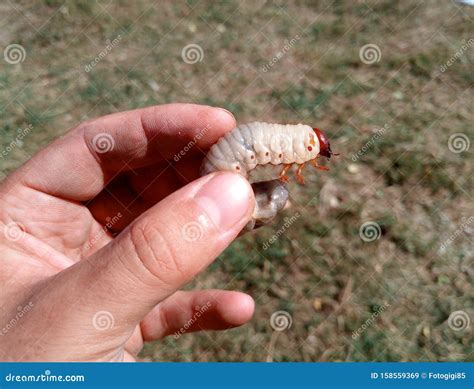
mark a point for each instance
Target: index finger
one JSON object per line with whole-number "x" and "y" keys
{"x": 79, "y": 165}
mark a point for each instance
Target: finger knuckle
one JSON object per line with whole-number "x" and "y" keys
{"x": 155, "y": 251}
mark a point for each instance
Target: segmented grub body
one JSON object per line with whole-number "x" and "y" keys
{"x": 251, "y": 147}
{"x": 257, "y": 144}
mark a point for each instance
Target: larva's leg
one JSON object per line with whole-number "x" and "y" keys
{"x": 299, "y": 174}
{"x": 283, "y": 177}
{"x": 314, "y": 162}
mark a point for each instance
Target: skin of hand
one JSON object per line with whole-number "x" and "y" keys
{"x": 103, "y": 227}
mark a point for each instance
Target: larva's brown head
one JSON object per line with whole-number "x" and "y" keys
{"x": 324, "y": 146}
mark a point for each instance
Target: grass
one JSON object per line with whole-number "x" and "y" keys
{"x": 319, "y": 271}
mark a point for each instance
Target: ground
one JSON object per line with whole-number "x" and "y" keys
{"x": 399, "y": 112}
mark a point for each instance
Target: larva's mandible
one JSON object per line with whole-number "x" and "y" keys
{"x": 257, "y": 145}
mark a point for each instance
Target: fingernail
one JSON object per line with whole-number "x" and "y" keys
{"x": 227, "y": 112}
{"x": 225, "y": 199}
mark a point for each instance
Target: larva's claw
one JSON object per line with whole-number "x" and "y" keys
{"x": 283, "y": 177}
{"x": 299, "y": 175}
{"x": 314, "y": 162}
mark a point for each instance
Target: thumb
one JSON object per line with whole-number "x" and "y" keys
{"x": 158, "y": 253}
{"x": 172, "y": 242}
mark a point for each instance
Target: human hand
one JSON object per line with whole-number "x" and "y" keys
{"x": 100, "y": 231}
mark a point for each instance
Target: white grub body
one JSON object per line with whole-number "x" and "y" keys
{"x": 263, "y": 146}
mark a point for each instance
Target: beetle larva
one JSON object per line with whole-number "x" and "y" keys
{"x": 262, "y": 148}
